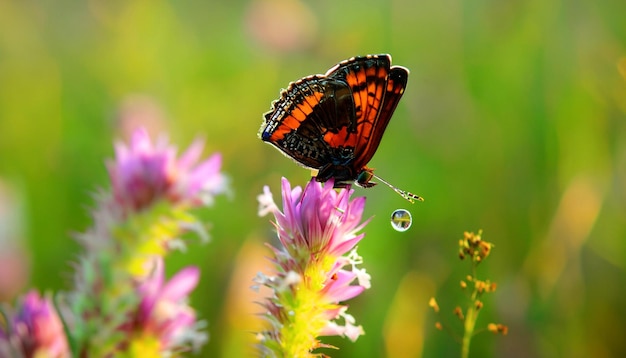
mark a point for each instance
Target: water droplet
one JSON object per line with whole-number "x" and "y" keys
{"x": 401, "y": 220}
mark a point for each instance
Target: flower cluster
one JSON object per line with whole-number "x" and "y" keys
{"x": 473, "y": 246}
{"x": 316, "y": 228}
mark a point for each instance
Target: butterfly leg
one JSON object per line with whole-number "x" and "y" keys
{"x": 324, "y": 173}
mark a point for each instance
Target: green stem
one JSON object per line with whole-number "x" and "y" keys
{"x": 470, "y": 320}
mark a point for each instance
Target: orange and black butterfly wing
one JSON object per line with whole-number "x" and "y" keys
{"x": 376, "y": 90}
{"x": 309, "y": 113}
{"x": 382, "y": 111}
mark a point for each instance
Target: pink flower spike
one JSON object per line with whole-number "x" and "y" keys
{"x": 315, "y": 228}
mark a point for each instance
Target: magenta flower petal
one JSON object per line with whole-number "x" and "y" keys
{"x": 181, "y": 284}
{"x": 339, "y": 288}
{"x": 191, "y": 155}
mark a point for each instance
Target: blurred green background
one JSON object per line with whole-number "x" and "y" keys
{"x": 513, "y": 122}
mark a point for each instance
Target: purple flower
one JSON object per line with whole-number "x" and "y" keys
{"x": 163, "y": 310}
{"x": 316, "y": 228}
{"x": 144, "y": 172}
{"x": 35, "y": 331}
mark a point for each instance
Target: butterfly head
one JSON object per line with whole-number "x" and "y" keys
{"x": 364, "y": 178}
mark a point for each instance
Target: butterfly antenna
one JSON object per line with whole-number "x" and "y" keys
{"x": 405, "y": 194}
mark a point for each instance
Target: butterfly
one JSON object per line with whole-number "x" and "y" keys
{"x": 333, "y": 123}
